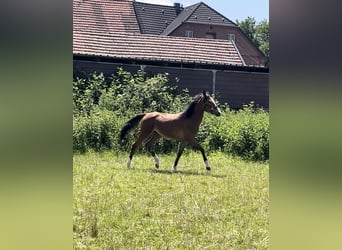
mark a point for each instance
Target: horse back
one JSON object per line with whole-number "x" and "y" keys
{"x": 170, "y": 126}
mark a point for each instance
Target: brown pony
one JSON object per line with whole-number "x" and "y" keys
{"x": 182, "y": 126}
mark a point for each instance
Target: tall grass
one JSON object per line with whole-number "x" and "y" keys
{"x": 143, "y": 208}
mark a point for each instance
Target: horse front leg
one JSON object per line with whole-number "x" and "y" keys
{"x": 179, "y": 153}
{"x": 196, "y": 145}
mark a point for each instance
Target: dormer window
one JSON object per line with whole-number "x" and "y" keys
{"x": 210, "y": 35}
{"x": 189, "y": 33}
{"x": 231, "y": 37}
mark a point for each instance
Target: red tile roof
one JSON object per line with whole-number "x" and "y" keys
{"x": 109, "y": 28}
{"x": 155, "y": 48}
{"x": 104, "y": 16}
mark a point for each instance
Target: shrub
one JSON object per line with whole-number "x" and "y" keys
{"x": 97, "y": 131}
{"x": 102, "y": 106}
{"x": 244, "y": 133}
{"x": 129, "y": 95}
{"x": 87, "y": 92}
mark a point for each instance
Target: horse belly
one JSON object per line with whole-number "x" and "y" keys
{"x": 172, "y": 134}
{"x": 170, "y": 130}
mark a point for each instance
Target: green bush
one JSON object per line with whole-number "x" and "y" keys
{"x": 87, "y": 92}
{"x": 131, "y": 94}
{"x": 100, "y": 131}
{"x": 102, "y": 106}
{"x": 244, "y": 133}
{"x": 97, "y": 131}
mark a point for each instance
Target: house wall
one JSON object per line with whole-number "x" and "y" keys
{"x": 248, "y": 51}
{"x": 232, "y": 87}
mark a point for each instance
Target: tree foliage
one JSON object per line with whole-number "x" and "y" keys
{"x": 258, "y": 33}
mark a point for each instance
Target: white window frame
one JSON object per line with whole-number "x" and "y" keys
{"x": 189, "y": 33}
{"x": 231, "y": 37}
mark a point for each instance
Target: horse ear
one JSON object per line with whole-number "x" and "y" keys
{"x": 205, "y": 93}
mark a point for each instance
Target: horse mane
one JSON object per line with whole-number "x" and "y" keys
{"x": 189, "y": 110}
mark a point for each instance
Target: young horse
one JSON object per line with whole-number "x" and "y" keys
{"x": 182, "y": 127}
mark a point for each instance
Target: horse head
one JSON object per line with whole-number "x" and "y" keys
{"x": 210, "y": 105}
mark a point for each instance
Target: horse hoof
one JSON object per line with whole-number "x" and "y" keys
{"x": 129, "y": 163}
{"x": 208, "y": 168}
{"x": 157, "y": 166}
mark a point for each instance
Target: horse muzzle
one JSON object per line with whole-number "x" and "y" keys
{"x": 217, "y": 112}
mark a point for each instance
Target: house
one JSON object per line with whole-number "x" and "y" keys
{"x": 195, "y": 44}
{"x": 199, "y": 21}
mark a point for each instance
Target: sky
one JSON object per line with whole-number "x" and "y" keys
{"x": 231, "y": 9}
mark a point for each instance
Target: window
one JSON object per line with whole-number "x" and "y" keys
{"x": 210, "y": 35}
{"x": 231, "y": 37}
{"x": 189, "y": 33}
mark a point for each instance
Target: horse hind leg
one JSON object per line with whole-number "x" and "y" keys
{"x": 152, "y": 140}
{"x": 143, "y": 135}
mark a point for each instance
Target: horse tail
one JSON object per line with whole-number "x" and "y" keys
{"x": 130, "y": 125}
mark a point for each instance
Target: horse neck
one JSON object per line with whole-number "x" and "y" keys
{"x": 198, "y": 113}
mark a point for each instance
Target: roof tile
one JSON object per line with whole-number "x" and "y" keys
{"x": 104, "y": 15}
{"x": 153, "y": 18}
{"x": 109, "y": 28}
{"x": 156, "y": 48}
{"x": 198, "y": 13}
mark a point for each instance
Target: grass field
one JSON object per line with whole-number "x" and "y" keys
{"x": 143, "y": 208}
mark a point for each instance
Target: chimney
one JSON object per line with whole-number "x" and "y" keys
{"x": 178, "y": 8}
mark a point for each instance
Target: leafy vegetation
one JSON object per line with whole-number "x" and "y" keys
{"x": 243, "y": 133}
{"x": 258, "y": 33}
{"x": 143, "y": 208}
{"x": 102, "y": 105}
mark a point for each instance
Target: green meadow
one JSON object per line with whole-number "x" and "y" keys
{"x": 144, "y": 208}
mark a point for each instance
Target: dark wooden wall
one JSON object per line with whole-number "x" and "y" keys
{"x": 233, "y": 87}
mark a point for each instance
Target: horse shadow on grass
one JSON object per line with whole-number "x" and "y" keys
{"x": 185, "y": 172}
